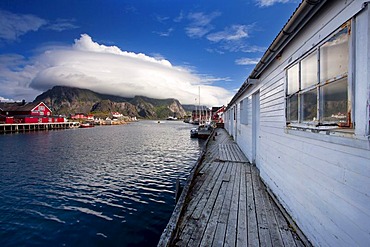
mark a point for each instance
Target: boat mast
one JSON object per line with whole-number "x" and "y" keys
{"x": 200, "y": 110}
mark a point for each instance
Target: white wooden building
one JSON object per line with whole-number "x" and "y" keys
{"x": 302, "y": 117}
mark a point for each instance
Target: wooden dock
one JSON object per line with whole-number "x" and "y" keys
{"x": 227, "y": 204}
{"x": 27, "y": 127}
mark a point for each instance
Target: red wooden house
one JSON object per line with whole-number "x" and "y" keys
{"x": 22, "y": 112}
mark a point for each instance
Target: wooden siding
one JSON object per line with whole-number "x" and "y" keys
{"x": 323, "y": 181}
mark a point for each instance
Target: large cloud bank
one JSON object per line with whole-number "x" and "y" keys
{"x": 108, "y": 69}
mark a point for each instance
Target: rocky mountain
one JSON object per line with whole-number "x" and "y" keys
{"x": 69, "y": 100}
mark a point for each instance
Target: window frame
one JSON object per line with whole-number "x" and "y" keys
{"x": 319, "y": 122}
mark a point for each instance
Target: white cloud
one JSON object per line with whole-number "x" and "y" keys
{"x": 253, "y": 48}
{"x": 15, "y": 25}
{"x": 15, "y": 76}
{"x": 166, "y": 33}
{"x": 247, "y": 61}
{"x": 61, "y": 25}
{"x": 107, "y": 69}
{"x": 180, "y": 17}
{"x": 161, "y": 19}
{"x": 267, "y": 3}
{"x": 233, "y": 33}
{"x": 2, "y": 99}
{"x": 200, "y": 24}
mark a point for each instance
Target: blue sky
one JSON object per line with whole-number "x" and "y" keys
{"x": 156, "y": 48}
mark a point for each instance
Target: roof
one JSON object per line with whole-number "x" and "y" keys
{"x": 301, "y": 16}
{"x": 18, "y": 106}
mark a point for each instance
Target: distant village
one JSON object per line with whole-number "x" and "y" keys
{"x": 23, "y": 116}
{"x": 22, "y": 112}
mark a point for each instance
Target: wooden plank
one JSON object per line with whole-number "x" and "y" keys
{"x": 227, "y": 202}
{"x": 230, "y": 238}
{"x": 241, "y": 155}
{"x": 271, "y": 220}
{"x": 225, "y": 210}
{"x": 197, "y": 203}
{"x": 209, "y": 233}
{"x": 207, "y": 210}
{"x": 285, "y": 230}
{"x": 213, "y": 184}
{"x": 253, "y": 238}
{"x": 242, "y": 212}
{"x": 227, "y": 176}
{"x": 263, "y": 228}
{"x": 200, "y": 189}
{"x": 219, "y": 235}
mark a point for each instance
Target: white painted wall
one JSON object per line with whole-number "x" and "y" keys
{"x": 322, "y": 180}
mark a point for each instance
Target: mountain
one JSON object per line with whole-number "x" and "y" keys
{"x": 190, "y": 108}
{"x": 69, "y": 100}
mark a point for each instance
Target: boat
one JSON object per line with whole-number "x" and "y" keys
{"x": 205, "y": 128}
{"x": 172, "y": 118}
{"x": 86, "y": 125}
{"x": 194, "y": 133}
{"x": 204, "y": 131}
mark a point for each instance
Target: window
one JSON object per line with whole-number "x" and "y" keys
{"x": 317, "y": 85}
{"x": 244, "y": 111}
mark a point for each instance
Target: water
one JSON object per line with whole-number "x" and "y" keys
{"x": 103, "y": 186}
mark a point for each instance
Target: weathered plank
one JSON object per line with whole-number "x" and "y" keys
{"x": 284, "y": 228}
{"x": 242, "y": 212}
{"x": 207, "y": 210}
{"x": 230, "y": 238}
{"x": 196, "y": 207}
{"x": 225, "y": 210}
{"x": 271, "y": 220}
{"x": 209, "y": 232}
{"x": 263, "y": 227}
{"x": 253, "y": 238}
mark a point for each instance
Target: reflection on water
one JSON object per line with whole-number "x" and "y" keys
{"x": 103, "y": 186}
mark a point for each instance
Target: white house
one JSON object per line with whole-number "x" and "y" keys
{"x": 302, "y": 117}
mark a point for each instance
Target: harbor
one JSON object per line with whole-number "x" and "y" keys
{"x": 225, "y": 203}
{"x": 68, "y": 184}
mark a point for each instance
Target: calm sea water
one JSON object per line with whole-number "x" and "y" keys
{"x": 103, "y": 186}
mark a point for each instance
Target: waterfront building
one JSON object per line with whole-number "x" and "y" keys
{"x": 302, "y": 117}
{"x": 201, "y": 115}
{"x": 22, "y": 112}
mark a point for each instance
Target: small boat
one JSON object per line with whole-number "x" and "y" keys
{"x": 172, "y": 118}
{"x": 204, "y": 131}
{"x": 86, "y": 125}
{"x": 194, "y": 133}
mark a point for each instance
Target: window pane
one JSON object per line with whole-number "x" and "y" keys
{"x": 309, "y": 105}
{"x": 292, "y": 108}
{"x": 335, "y": 101}
{"x": 309, "y": 71}
{"x": 293, "y": 79}
{"x": 244, "y": 111}
{"x": 334, "y": 56}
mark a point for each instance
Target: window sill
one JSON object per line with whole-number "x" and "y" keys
{"x": 331, "y": 134}
{"x": 324, "y": 130}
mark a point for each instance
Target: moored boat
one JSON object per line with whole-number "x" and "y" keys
{"x": 86, "y": 125}
{"x": 204, "y": 131}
